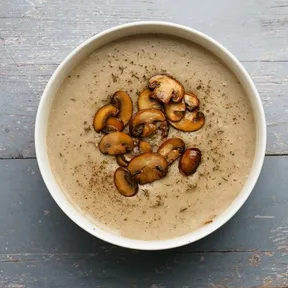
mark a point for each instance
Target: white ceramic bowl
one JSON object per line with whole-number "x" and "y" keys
{"x": 81, "y": 53}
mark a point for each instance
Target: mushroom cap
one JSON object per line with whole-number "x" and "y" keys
{"x": 189, "y": 161}
{"x": 175, "y": 111}
{"x": 113, "y": 125}
{"x": 148, "y": 167}
{"x": 192, "y": 101}
{"x": 123, "y": 102}
{"x": 102, "y": 115}
{"x": 166, "y": 88}
{"x": 146, "y": 102}
{"x": 171, "y": 149}
{"x": 124, "y": 182}
{"x": 142, "y": 122}
{"x": 116, "y": 143}
{"x": 192, "y": 121}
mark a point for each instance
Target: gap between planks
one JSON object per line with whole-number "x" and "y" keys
{"x": 25, "y": 257}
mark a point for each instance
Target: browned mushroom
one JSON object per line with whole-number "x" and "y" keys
{"x": 192, "y": 101}
{"x": 147, "y": 119}
{"x": 171, "y": 149}
{"x": 124, "y": 159}
{"x": 146, "y": 102}
{"x": 189, "y": 161}
{"x": 140, "y": 147}
{"x": 113, "y": 125}
{"x": 123, "y": 102}
{"x": 116, "y": 143}
{"x": 102, "y": 115}
{"x": 144, "y": 147}
{"x": 148, "y": 167}
{"x": 125, "y": 183}
{"x": 175, "y": 111}
{"x": 192, "y": 121}
{"x": 164, "y": 88}
{"x": 121, "y": 160}
{"x": 149, "y": 129}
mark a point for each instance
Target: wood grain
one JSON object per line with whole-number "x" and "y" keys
{"x": 41, "y": 247}
{"x": 41, "y": 31}
{"x": 145, "y": 269}
{"x": 35, "y": 36}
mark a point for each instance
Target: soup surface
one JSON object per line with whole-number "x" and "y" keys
{"x": 175, "y": 205}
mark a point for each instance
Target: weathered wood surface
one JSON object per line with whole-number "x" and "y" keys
{"x": 41, "y": 247}
{"x": 138, "y": 269}
{"x": 35, "y": 36}
{"x": 41, "y": 31}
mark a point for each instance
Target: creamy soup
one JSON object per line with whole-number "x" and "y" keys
{"x": 177, "y": 204}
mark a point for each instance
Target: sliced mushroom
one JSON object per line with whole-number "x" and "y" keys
{"x": 113, "y": 125}
{"x": 171, "y": 149}
{"x": 192, "y": 101}
{"x": 164, "y": 88}
{"x": 102, "y": 115}
{"x": 164, "y": 128}
{"x": 144, "y": 147}
{"x": 116, "y": 143}
{"x": 123, "y": 102}
{"x": 121, "y": 161}
{"x": 140, "y": 147}
{"x": 149, "y": 129}
{"x": 148, "y": 167}
{"x": 125, "y": 183}
{"x": 192, "y": 121}
{"x": 189, "y": 161}
{"x": 146, "y": 117}
{"x": 175, "y": 111}
{"x": 124, "y": 159}
{"x": 146, "y": 102}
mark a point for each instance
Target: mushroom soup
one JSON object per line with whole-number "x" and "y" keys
{"x": 176, "y": 204}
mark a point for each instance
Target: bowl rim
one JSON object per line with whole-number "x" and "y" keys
{"x": 77, "y": 217}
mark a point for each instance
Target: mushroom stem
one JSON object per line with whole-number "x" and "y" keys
{"x": 166, "y": 88}
{"x": 143, "y": 122}
{"x": 171, "y": 149}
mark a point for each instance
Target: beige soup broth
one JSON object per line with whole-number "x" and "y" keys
{"x": 175, "y": 205}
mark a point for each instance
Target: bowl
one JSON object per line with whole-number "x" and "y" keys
{"x": 80, "y": 53}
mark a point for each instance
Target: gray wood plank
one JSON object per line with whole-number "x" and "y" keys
{"x": 41, "y": 247}
{"x": 31, "y": 222}
{"x": 45, "y": 31}
{"x": 145, "y": 269}
{"x": 21, "y": 88}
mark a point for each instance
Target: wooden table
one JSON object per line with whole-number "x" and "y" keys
{"x": 41, "y": 247}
